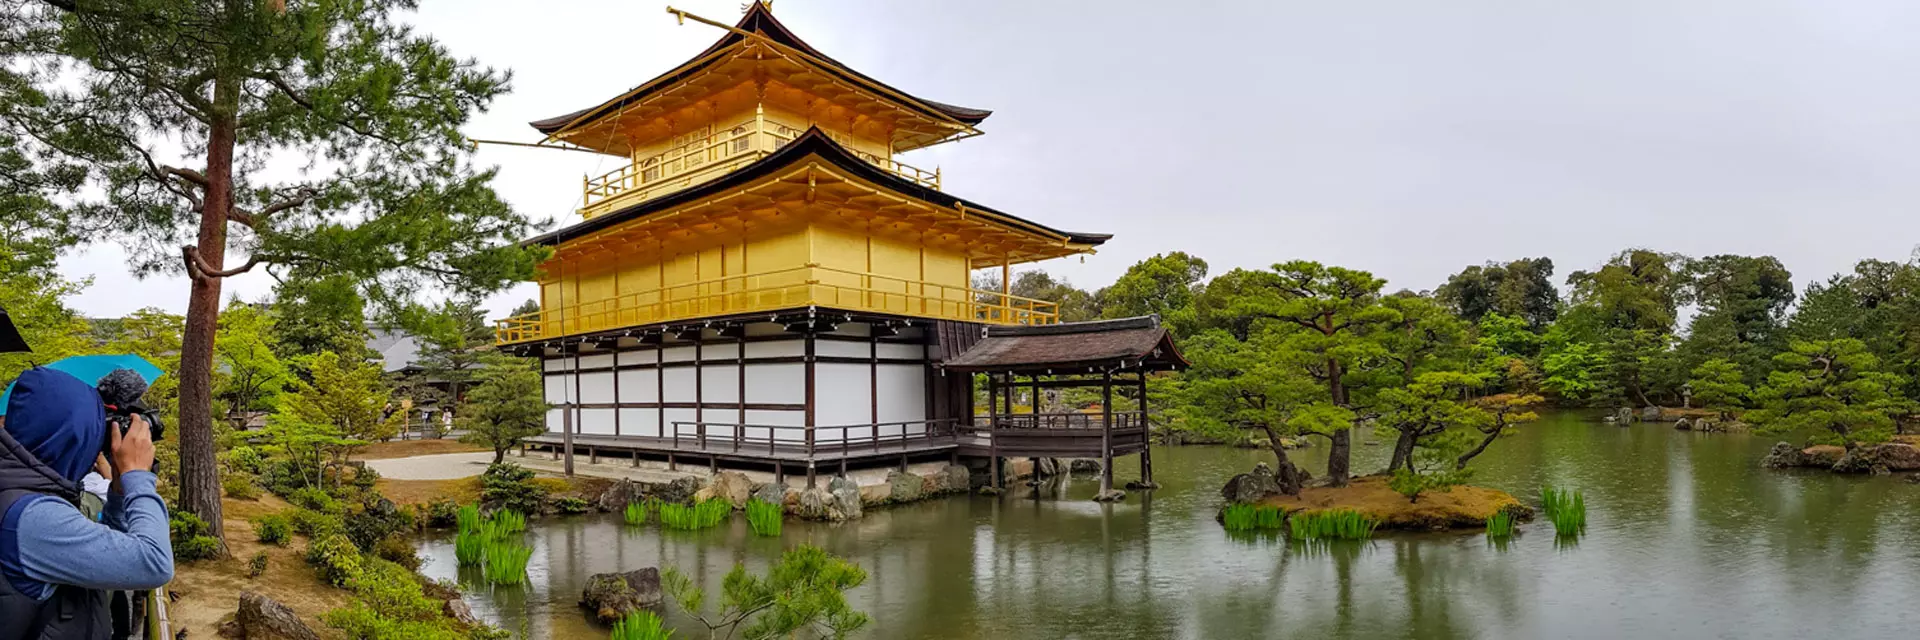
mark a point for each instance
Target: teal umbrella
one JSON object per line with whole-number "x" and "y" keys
{"x": 91, "y": 369}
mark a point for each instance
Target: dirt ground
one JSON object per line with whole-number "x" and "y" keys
{"x": 208, "y": 591}
{"x": 1463, "y": 506}
{"x": 410, "y": 448}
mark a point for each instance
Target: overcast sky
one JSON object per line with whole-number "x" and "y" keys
{"x": 1410, "y": 138}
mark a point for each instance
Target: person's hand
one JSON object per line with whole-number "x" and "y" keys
{"x": 102, "y": 467}
{"x": 133, "y": 451}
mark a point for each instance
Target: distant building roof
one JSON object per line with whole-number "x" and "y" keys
{"x": 1073, "y": 347}
{"x": 399, "y": 351}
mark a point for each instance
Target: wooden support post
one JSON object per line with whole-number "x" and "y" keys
{"x": 671, "y": 465}
{"x": 779, "y": 473}
{"x": 811, "y": 475}
{"x": 1146, "y": 435}
{"x": 1106, "y": 434}
{"x": 573, "y": 413}
{"x": 636, "y": 458}
{"x": 593, "y": 455}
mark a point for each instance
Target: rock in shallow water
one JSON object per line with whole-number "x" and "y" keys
{"x": 611, "y": 596}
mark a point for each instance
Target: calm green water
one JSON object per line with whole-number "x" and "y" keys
{"x": 1688, "y": 538}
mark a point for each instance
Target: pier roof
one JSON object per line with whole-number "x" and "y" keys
{"x": 1073, "y": 347}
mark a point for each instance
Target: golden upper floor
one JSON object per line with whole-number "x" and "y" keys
{"x": 757, "y": 87}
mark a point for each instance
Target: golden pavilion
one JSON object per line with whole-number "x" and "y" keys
{"x": 764, "y": 280}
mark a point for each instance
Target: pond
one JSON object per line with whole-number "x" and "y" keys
{"x": 1687, "y": 537}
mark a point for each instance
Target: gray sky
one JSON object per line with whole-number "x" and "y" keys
{"x": 1409, "y": 138}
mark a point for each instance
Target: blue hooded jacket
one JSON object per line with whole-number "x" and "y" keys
{"x": 59, "y": 419}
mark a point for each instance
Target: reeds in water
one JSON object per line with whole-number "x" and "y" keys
{"x": 468, "y": 517}
{"x": 764, "y": 517}
{"x": 641, "y": 625}
{"x": 506, "y": 561}
{"x": 707, "y": 514}
{"x": 509, "y": 522}
{"x": 1567, "y": 508}
{"x": 467, "y": 546}
{"x": 1500, "y": 526}
{"x": 1332, "y": 524}
{"x": 1247, "y": 517}
{"x": 636, "y": 513}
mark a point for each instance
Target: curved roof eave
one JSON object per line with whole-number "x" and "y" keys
{"x": 759, "y": 19}
{"x": 813, "y": 142}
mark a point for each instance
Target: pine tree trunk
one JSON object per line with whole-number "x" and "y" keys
{"x": 1340, "y": 453}
{"x": 199, "y": 470}
{"x": 1402, "y": 452}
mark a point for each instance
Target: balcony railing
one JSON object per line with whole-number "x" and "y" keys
{"x": 784, "y": 289}
{"x": 727, "y": 148}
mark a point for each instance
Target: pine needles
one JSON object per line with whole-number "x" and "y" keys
{"x": 1332, "y": 524}
{"x": 764, "y": 517}
{"x": 1567, "y": 508}
{"x": 641, "y": 625}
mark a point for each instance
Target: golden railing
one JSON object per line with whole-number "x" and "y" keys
{"x": 727, "y": 148}
{"x": 784, "y": 289}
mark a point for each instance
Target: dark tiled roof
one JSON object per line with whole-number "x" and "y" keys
{"x": 813, "y": 142}
{"x": 1073, "y": 347}
{"x": 760, "y": 20}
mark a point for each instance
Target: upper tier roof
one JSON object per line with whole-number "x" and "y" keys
{"x": 758, "y": 19}
{"x": 812, "y": 144}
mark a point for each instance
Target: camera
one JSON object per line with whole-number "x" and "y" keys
{"x": 121, "y": 392}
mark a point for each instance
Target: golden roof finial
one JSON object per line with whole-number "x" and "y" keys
{"x": 749, "y": 6}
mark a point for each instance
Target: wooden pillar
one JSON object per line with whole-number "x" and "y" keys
{"x": 660, "y": 389}
{"x": 615, "y": 354}
{"x": 1106, "y": 433}
{"x": 810, "y": 406}
{"x": 740, "y": 360}
{"x": 1146, "y": 434}
{"x": 993, "y": 426}
{"x": 573, "y": 413}
{"x": 699, "y": 382}
{"x": 593, "y": 455}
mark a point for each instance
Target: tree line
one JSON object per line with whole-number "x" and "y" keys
{"x": 1306, "y": 349}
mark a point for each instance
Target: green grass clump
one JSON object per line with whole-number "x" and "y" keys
{"x": 708, "y": 513}
{"x": 636, "y": 513}
{"x": 468, "y": 518}
{"x": 764, "y": 517}
{"x": 641, "y": 625}
{"x": 1333, "y": 524}
{"x": 509, "y": 521}
{"x": 1500, "y": 525}
{"x": 1247, "y": 517}
{"x": 1566, "y": 508}
{"x": 467, "y": 548}
{"x": 505, "y": 561}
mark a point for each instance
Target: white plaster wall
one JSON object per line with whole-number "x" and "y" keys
{"x": 679, "y": 384}
{"x": 842, "y": 349}
{"x": 559, "y": 388}
{"x": 721, "y": 383}
{"x": 640, "y": 422}
{"x": 784, "y": 383}
{"x": 598, "y": 422}
{"x": 679, "y": 353}
{"x": 557, "y": 364}
{"x": 637, "y": 357}
{"x": 842, "y": 396}
{"x": 783, "y": 348}
{"x": 720, "y": 350}
{"x": 596, "y": 361}
{"x": 903, "y": 394}
{"x": 641, "y": 385}
{"x": 596, "y": 388}
{"x": 556, "y": 421}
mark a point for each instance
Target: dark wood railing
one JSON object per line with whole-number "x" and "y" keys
{"x": 754, "y": 438}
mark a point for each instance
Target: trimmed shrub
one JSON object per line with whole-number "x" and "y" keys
{"x": 397, "y": 550}
{"x": 571, "y": 505}
{"x": 190, "y": 539}
{"x": 315, "y": 499}
{"x": 442, "y": 513}
{"x": 509, "y": 486}
{"x": 315, "y": 524}
{"x": 273, "y": 529}
{"x": 239, "y": 485}
{"x": 336, "y": 558}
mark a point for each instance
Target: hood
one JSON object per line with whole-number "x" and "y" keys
{"x": 58, "y": 419}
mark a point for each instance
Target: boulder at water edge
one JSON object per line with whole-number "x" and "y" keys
{"x": 1783, "y": 456}
{"x": 771, "y": 493}
{"x": 263, "y": 618}
{"x": 732, "y": 486}
{"x": 1084, "y": 465}
{"x": 956, "y": 478}
{"x": 617, "y": 496}
{"x": 679, "y": 491}
{"x": 611, "y": 596}
{"x": 846, "y": 497}
{"x": 906, "y": 487}
{"x": 1251, "y": 487}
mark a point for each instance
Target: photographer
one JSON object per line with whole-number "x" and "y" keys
{"x": 57, "y": 564}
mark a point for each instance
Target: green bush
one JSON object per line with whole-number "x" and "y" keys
{"x": 508, "y": 486}
{"x": 239, "y": 485}
{"x": 442, "y": 513}
{"x": 273, "y": 529}
{"x": 362, "y": 622}
{"x": 336, "y": 558}
{"x": 257, "y": 565}
{"x": 190, "y": 537}
{"x": 364, "y": 477}
{"x": 246, "y": 459}
{"x": 398, "y": 550}
{"x": 572, "y": 505}
{"x": 375, "y": 521}
{"x": 316, "y": 524}
{"x": 315, "y": 499}
{"x": 285, "y": 477}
